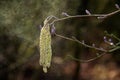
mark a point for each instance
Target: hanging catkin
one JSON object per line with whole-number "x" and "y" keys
{"x": 45, "y": 47}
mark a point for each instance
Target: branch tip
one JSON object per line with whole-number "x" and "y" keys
{"x": 65, "y": 14}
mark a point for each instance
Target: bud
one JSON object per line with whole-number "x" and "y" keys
{"x": 63, "y": 13}
{"x": 93, "y": 45}
{"x": 87, "y": 12}
{"x": 117, "y": 6}
{"x": 105, "y": 39}
{"x": 111, "y": 43}
{"x": 83, "y": 41}
{"x": 110, "y": 40}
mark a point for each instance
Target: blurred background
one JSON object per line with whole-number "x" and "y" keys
{"x": 19, "y": 37}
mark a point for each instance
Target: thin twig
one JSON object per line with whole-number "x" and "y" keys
{"x": 88, "y": 60}
{"x": 82, "y": 43}
{"x": 78, "y": 16}
{"x": 76, "y": 40}
{"x": 82, "y": 16}
{"x": 112, "y": 35}
{"x": 92, "y": 47}
{"x": 114, "y": 49}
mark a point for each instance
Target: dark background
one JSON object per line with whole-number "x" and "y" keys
{"x": 19, "y": 37}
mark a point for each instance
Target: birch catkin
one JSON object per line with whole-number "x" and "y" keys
{"x": 45, "y": 47}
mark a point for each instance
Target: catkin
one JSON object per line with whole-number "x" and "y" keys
{"x": 45, "y": 47}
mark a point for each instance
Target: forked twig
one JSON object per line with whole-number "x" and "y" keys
{"x": 82, "y": 43}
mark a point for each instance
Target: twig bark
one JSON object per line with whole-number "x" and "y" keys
{"x": 103, "y": 16}
{"x": 83, "y": 16}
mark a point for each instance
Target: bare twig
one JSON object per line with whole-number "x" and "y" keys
{"x": 99, "y": 16}
{"x": 88, "y": 60}
{"x": 112, "y": 35}
{"x": 115, "y": 37}
{"x": 113, "y": 48}
{"x": 82, "y": 43}
{"x": 82, "y": 16}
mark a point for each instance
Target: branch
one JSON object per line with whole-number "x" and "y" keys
{"x": 99, "y": 16}
{"x": 82, "y": 43}
{"x": 113, "y": 47}
{"x": 88, "y": 60}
